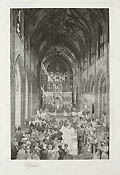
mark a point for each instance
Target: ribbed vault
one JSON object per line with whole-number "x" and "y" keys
{"x": 71, "y": 29}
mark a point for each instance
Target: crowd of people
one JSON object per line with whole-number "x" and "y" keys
{"x": 43, "y": 138}
{"x": 93, "y": 135}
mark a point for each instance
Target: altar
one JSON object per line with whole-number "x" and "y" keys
{"x": 56, "y": 83}
{"x": 58, "y": 101}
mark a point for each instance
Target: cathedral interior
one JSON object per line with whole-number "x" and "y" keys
{"x": 59, "y": 62}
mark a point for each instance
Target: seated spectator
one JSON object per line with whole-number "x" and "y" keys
{"x": 47, "y": 138}
{"x": 61, "y": 153}
{"x": 28, "y": 153}
{"x": 21, "y": 154}
{"x": 35, "y": 155}
{"x": 13, "y": 151}
{"x": 50, "y": 152}
{"x": 66, "y": 150}
{"x": 19, "y": 134}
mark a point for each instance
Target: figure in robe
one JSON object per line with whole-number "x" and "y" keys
{"x": 70, "y": 138}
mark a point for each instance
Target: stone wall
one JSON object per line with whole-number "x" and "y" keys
{"x": 98, "y": 69}
{"x": 19, "y": 55}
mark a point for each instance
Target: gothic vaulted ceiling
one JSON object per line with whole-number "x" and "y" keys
{"x": 71, "y": 28}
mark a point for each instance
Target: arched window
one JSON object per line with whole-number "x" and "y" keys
{"x": 100, "y": 41}
{"x": 92, "y": 87}
{"x": 103, "y": 86}
{"x": 85, "y": 61}
{"x": 102, "y": 95}
{"x": 92, "y": 53}
{"x": 18, "y": 23}
{"x": 85, "y": 87}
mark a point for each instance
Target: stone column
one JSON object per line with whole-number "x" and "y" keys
{"x": 95, "y": 82}
{"x": 79, "y": 86}
{"x": 31, "y": 100}
{"x": 23, "y": 99}
{"x": 26, "y": 97}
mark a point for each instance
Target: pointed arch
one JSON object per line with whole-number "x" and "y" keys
{"x": 91, "y": 84}
{"x": 101, "y": 92}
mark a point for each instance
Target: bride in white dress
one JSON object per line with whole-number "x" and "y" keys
{"x": 70, "y": 138}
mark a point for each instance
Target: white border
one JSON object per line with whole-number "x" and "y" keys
{"x": 90, "y": 167}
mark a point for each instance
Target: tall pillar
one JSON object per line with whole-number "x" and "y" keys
{"x": 79, "y": 87}
{"x": 26, "y": 98}
{"x": 74, "y": 84}
{"x": 40, "y": 92}
{"x": 95, "y": 83}
{"x": 31, "y": 100}
{"x": 23, "y": 100}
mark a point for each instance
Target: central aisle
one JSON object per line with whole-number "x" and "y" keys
{"x": 70, "y": 138}
{"x": 69, "y": 133}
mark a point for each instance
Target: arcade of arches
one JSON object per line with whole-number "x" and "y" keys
{"x": 59, "y": 62}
